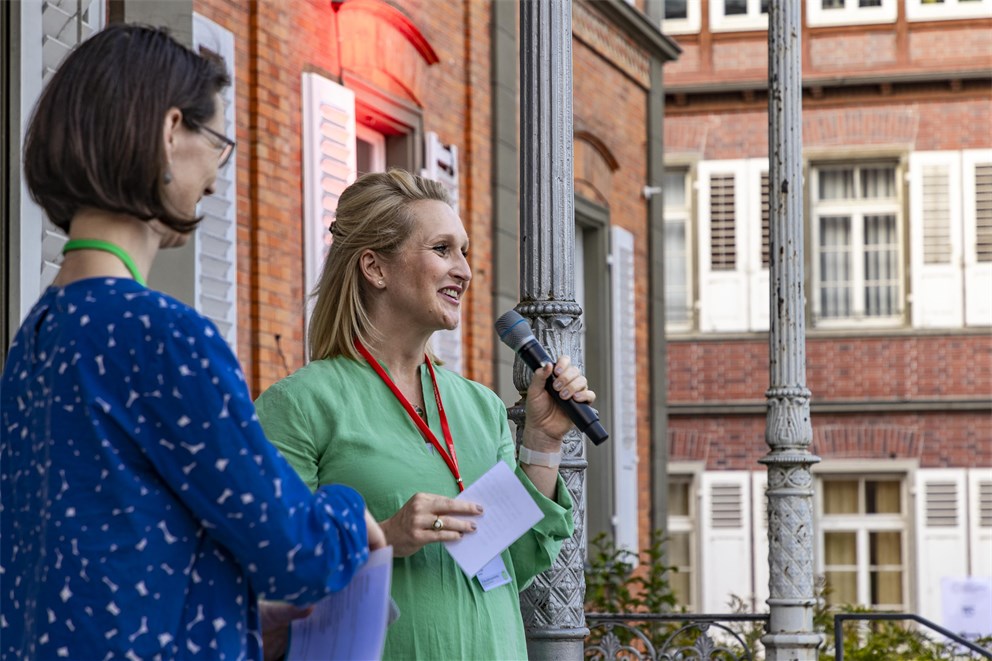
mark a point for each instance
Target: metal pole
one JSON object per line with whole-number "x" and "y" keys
{"x": 789, "y": 431}
{"x": 553, "y": 606}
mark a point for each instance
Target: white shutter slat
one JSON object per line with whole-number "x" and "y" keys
{"x": 980, "y": 521}
{"x": 725, "y": 547}
{"x": 624, "y": 386}
{"x": 723, "y": 295}
{"x": 215, "y": 284}
{"x": 941, "y": 534}
{"x": 329, "y": 165}
{"x": 977, "y": 201}
{"x": 758, "y": 218}
{"x": 441, "y": 162}
{"x": 935, "y": 239}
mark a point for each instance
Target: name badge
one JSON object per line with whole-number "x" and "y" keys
{"x": 494, "y": 574}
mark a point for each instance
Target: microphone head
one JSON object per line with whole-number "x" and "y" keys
{"x": 513, "y": 330}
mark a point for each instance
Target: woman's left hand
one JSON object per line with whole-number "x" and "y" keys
{"x": 276, "y": 617}
{"x": 544, "y": 416}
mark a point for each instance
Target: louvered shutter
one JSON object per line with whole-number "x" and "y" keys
{"x": 329, "y": 165}
{"x": 723, "y": 294}
{"x": 977, "y": 184}
{"x": 47, "y": 32}
{"x": 725, "y": 546}
{"x": 216, "y": 282}
{"x": 941, "y": 534}
{"x": 980, "y": 521}
{"x": 624, "y": 386}
{"x": 935, "y": 238}
{"x": 759, "y": 508}
{"x": 441, "y": 162}
{"x": 758, "y": 219}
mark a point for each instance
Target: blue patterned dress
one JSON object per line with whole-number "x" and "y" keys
{"x": 142, "y": 510}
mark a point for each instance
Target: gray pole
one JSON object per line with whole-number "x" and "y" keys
{"x": 789, "y": 430}
{"x": 553, "y": 605}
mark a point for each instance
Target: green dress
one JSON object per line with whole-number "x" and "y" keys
{"x": 337, "y": 422}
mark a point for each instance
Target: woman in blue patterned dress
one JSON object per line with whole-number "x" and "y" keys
{"x": 142, "y": 510}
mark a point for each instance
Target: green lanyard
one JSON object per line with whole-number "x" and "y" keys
{"x": 106, "y": 246}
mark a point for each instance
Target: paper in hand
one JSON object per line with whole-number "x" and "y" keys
{"x": 509, "y": 511}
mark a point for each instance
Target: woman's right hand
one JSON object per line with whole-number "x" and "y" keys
{"x": 413, "y": 525}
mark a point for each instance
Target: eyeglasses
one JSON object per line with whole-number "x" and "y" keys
{"x": 226, "y": 145}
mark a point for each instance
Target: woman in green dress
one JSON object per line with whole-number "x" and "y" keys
{"x": 374, "y": 411}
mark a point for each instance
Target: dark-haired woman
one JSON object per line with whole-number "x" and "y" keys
{"x": 142, "y": 510}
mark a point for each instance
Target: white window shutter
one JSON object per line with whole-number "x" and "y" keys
{"x": 623, "y": 323}
{"x": 723, "y": 294}
{"x": 980, "y": 521}
{"x": 759, "y": 518}
{"x": 758, "y": 215}
{"x": 216, "y": 282}
{"x": 935, "y": 238}
{"x": 941, "y": 534}
{"x": 442, "y": 165}
{"x": 725, "y": 545}
{"x": 977, "y": 196}
{"x": 48, "y": 31}
{"x": 329, "y": 166}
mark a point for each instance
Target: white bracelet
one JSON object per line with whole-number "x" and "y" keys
{"x": 535, "y": 458}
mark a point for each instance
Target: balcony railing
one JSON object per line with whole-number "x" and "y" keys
{"x": 964, "y": 643}
{"x": 670, "y": 636}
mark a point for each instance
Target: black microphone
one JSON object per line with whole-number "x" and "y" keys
{"x": 515, "y": 332}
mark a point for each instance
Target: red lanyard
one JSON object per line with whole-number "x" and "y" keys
{"x": 449, "y": 457}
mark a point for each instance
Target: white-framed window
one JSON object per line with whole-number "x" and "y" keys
{"x": 856, "y": 245}
{"x": 681, "y": 17}
{"x": 731, "y": 15}
{"x": 680, "y": 546}
{"x": 862, "y": 540}
{"x": 370, "y": 150}
{"x": 678, "y": 250}
{"x": 976, "y": 167}
{"x": 939, "y": 10}
{"x": 849, "y": 12}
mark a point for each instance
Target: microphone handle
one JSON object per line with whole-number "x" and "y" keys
{"x": 582, "y": 415}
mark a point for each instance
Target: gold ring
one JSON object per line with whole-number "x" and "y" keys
{"x": 438, "y": 524}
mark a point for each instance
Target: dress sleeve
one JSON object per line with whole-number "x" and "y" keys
{"x": 289, "y": 431}
{"x": 536, "y": 551}
{"x": 206, "y": 443}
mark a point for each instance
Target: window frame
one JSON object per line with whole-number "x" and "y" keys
{"x": 862, "y": 525}
{"x": 754, "y": 19}
{"x": 916, "y": 10}
{"x": 850, "y": 14}
{"x": 674, "y": 215}
{"x": 857, "y": 209}
{"x": 691, "y": 24}
{"x": 689, "y": 524}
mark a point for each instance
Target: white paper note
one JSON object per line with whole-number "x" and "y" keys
{"x": 349, "y": 624}
{"x": 508, "y": 512}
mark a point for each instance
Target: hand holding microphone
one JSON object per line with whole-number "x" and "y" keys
{"x": 515, "y": 332}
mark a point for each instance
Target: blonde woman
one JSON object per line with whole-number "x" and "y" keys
{"x": 374, "y": 411}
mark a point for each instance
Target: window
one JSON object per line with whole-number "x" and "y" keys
{"x": 370, "y": 150}
{"x": 862, "y": 547}
{"x": 856, "y": 239}
{"x": 678, "y": 299}
{"x": 849, "y": 12}
{"x": 937, "y": 10}
{"x": 681, "y": 544}
{"x": 681, "y": 17}
{"x": 727, "y": 15}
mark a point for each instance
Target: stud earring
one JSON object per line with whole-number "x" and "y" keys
{"x": 382, "y": 283}
{"x": 167, "y": 177}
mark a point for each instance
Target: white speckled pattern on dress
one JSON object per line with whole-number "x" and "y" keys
{"x": 142, "y": 510}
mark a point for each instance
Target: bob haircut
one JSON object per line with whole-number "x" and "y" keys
{"x": 373, "y": 214}
{"x": 95, "y": 139}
